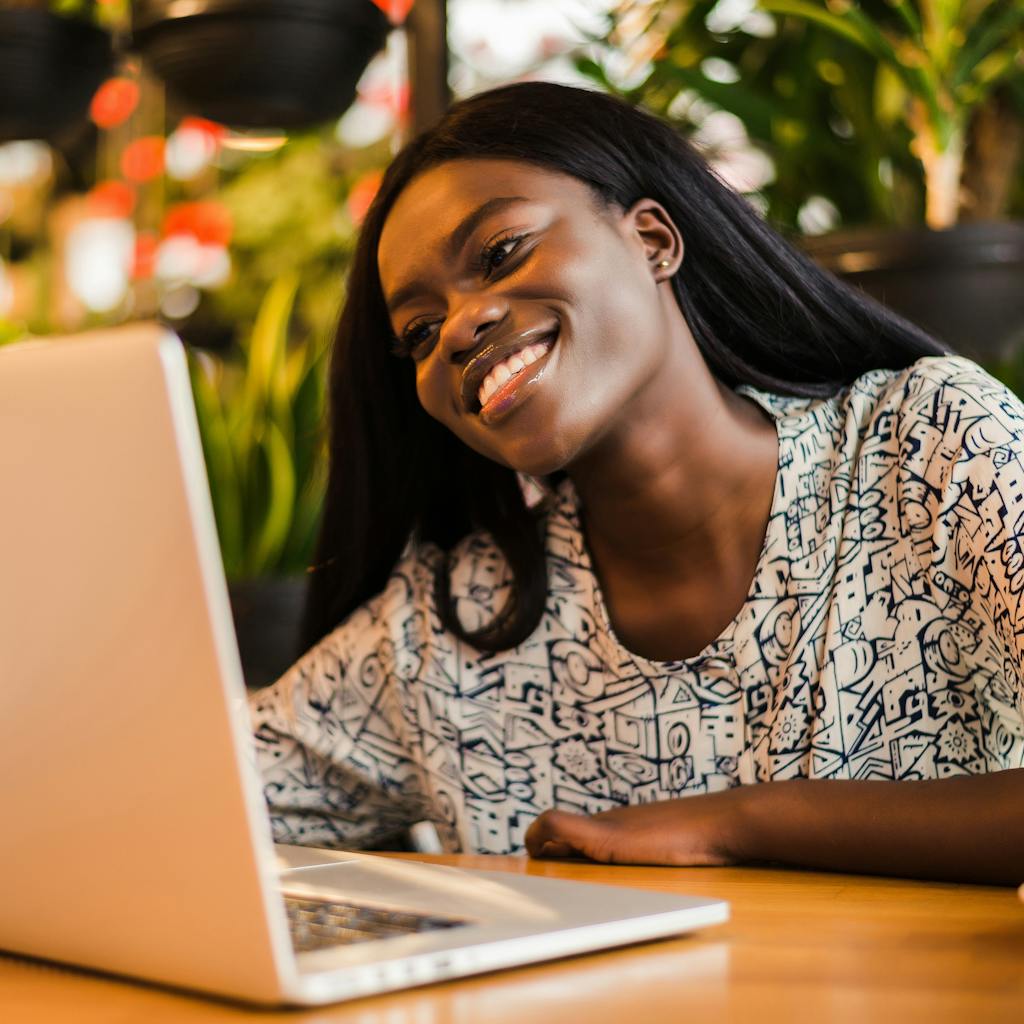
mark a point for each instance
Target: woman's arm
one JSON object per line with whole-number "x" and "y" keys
{"x": 336, "y": 751}
{"x": 964, "y": 829}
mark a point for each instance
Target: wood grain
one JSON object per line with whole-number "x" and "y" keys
{"x": 801, "y": 947}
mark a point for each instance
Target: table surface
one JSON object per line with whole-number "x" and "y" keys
{"x": 800, "y": 947}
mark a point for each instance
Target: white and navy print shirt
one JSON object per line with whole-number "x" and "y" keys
{"x": 882, "y": 638}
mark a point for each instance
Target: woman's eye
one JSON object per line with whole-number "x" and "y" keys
{"x": 414, "y": 337}
{"x": 498, "y": 252}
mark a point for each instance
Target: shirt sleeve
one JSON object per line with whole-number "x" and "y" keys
{"x": 962, "y": 462}
{"x": 337, "y": 745}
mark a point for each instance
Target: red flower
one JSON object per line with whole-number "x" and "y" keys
{"x": 113, "y": 102}
{"x": 361, "y": 195}
{"x": 143, "y": 159}
{"x": 201, "y": 124}
{"x": 145, "y": 254}
{"x": 111, "y": 199}
{"x": 396, "y": 10}
{"x": 207, "y": 220}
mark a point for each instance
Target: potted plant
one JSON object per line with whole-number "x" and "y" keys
{"x": 53, "y": 56}
{"x": 890, "y": 114}
{"x": 260, "y": 410}
{"x": 260, "y": 63}
{"x": 955, "y": 73}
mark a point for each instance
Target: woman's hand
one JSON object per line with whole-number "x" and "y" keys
{"x": 696, "y": 830}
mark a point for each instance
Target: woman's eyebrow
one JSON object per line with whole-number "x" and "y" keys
{"x": 456, "y": 240}
{"x": 469, "y": 223}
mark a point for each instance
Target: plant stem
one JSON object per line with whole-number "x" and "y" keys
{"x": 943, "y": 160}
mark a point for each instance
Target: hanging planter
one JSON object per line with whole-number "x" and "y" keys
{"x": 50, "y": 66}
{"x": 964, "y": 285}
{"x": 260, "y": 63}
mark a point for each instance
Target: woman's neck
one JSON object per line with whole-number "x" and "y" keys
{"x": 681, "y": 485}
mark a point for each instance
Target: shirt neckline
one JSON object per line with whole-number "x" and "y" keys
{"x": 779, "y": 407}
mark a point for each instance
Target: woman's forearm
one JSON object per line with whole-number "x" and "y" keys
{"x": 966, "y": 828}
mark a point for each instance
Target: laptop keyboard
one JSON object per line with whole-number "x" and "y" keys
{"x": 319, "y": 924}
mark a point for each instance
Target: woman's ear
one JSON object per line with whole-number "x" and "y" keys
{"x": 657, "y": 233}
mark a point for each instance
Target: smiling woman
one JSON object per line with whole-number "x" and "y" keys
{"x": 776, "y": 546}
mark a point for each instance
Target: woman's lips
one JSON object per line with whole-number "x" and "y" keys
{"x": 502, "y": 397}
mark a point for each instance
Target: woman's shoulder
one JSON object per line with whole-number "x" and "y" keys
{"x": 944, "y": 405}
{"x": 931, "y": 387}
{"x": 938, "y": 388}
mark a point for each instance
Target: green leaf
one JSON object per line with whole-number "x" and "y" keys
{"x": 890, "y": 96}
{"x": 220, "y": 467}
{"x": 268, "y": 343}
{"x": 989, "y": 33}
{"x": 281, "y": 499}
{"x": 836, "y": 23}
{"x": 853, "y": 25}
{"x": 994, "y": 66}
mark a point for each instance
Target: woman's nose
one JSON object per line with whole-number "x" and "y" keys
{"x": 470, "y": 319}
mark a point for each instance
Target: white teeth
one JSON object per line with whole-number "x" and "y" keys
{"x": 509, "y": 367}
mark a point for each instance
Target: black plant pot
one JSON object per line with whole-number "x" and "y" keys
{"x": 267, "y": 615}
{"x": 260, "y": 63}
{"x": 50, "y": 67}
{"x": 965, "y": 285}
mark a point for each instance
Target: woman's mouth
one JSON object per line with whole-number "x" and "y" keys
{"x": 499, "y": 388}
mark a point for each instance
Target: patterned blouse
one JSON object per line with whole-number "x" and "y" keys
{"x": 881, "y": 638}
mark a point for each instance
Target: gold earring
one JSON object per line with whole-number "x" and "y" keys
{"x": 664, "y": 263}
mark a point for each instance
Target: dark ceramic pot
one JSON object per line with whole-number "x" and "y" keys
{"x": 964, "y": 286}
{"x": 267, "y": 614}
{"x": 50, "y": 67}
{"x": 260, "y": 63}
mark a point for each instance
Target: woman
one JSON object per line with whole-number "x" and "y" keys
{"x": 778, "y": 545}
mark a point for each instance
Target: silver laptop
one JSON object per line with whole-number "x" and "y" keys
{"x": 133, "y": 834}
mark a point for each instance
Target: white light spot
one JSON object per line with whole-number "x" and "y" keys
{"x": 721, "y": 130}
{"x": 728, "y": 15}
{"x": 759, "y": 24}
{"x": 98, "y": 261}
{"x": 817, "y": 216}
{"x": 745, "y": 170}
{"x": 213, "y": 266}
{"x": 177, "y": 258}
{"x": 364, "y": 124}
{"x": 180, "y": 302}
{"x": 715, "y": 69}
{"x": 188, "y": 153}
{"x": 885, "y": 175}
{"x": 759, "y": 202}
{"x": 22, "y": 162}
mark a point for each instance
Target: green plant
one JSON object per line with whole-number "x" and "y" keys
{"x": 845, "y": 98}
{"x": 260, "y": 411}
{"x": 941, "y": 62}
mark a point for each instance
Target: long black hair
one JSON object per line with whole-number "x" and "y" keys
{"x": 760, "y": 312}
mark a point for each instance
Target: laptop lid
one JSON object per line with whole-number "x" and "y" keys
{"x": 119, "y": 679}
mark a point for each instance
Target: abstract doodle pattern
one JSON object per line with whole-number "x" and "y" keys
{"x": 881, "y": 639}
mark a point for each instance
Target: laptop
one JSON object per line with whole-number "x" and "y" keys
{"x": 135, "y": 838}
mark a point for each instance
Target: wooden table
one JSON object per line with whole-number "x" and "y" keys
{"x": 800, "y": 947}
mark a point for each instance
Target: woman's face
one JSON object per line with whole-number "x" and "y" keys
{"x": 534, "y": 314}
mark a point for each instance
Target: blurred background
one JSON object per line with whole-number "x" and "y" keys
{"x": 207, "y": 163}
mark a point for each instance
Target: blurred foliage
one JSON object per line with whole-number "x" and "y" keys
{"x": 938, "y": 61}
{"x": 109, "y": 14}
{"x": 260, "y": 403}
{"x": 289, "y": 213}
{"x": 260, "y": 412}
{"x": 834, "y": 92}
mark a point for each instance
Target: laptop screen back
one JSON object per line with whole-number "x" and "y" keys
{"x": 134, "y": 839}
